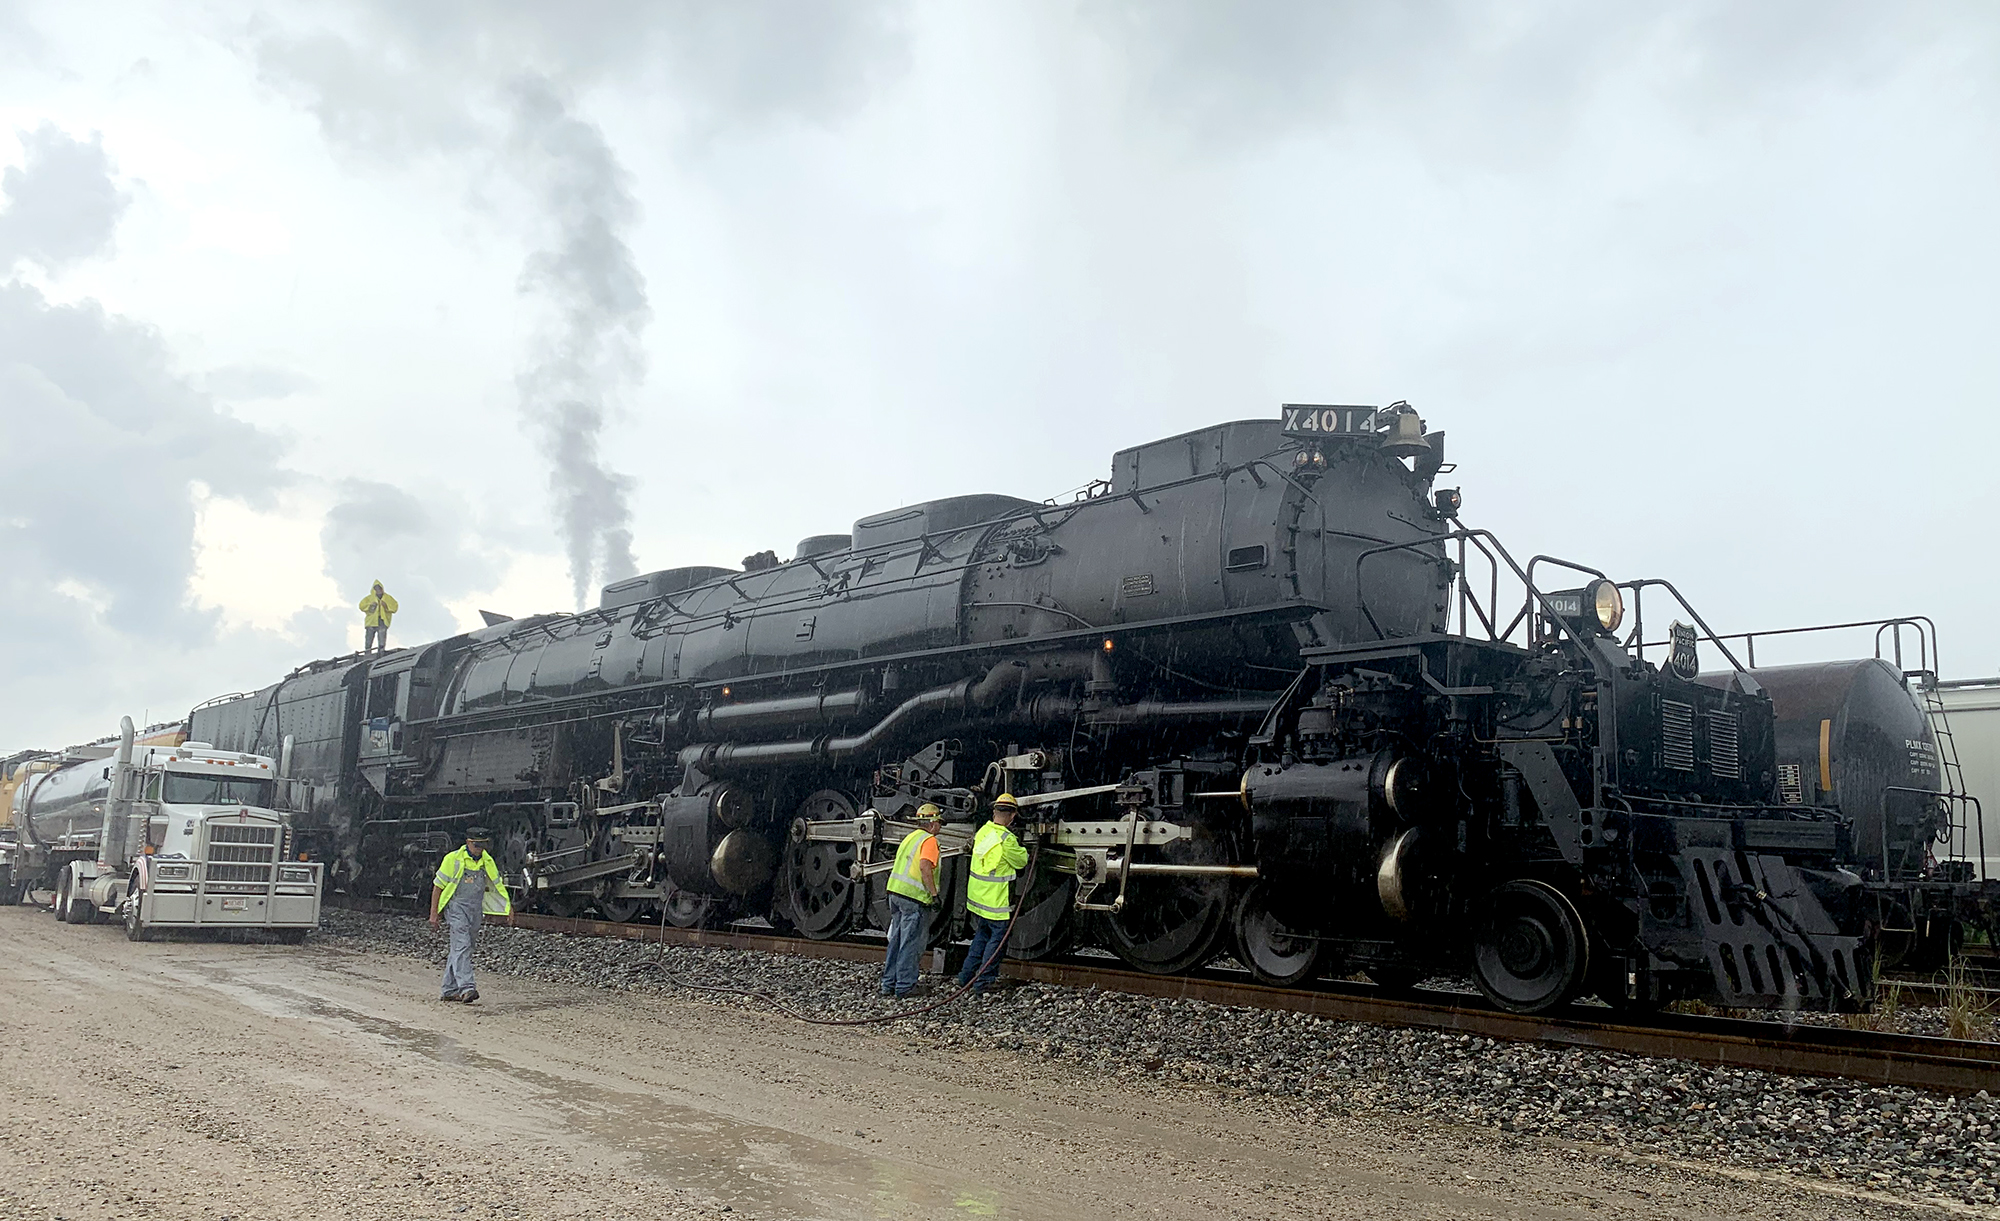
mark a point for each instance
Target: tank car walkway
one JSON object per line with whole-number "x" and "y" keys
{"x": 190, "y": 1079}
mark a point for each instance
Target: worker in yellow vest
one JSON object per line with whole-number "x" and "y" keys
{"x": 996, "y": 858}
{"x": 913, "y": 894}
{"x": 376, "y": 611}
{"x": 467, "y": 887}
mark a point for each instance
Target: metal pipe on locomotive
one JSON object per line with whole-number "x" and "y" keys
{"x": 1222, "y": 684}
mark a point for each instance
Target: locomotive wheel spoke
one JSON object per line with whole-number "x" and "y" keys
{"x": 816, "y": 884}
{"x": 1171, "y": 925}
{"x": 1529, "y": 950}
{"x": 1274, "y": 953}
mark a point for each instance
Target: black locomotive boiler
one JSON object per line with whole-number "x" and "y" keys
{"x": 1222, "y": 684}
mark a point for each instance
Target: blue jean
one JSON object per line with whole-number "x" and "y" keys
{"x": 463, "y": 924}
{"x": 986, "y": 937}
{"x": 909, "y": 929}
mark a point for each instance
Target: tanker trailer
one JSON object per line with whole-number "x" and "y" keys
{"x": 167, "y": 836}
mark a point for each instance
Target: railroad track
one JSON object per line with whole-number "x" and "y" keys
{"x": 1916, "y": 1061}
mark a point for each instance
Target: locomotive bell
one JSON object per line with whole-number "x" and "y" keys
{"x": 1405, "y": 438}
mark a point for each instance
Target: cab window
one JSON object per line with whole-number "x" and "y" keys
{"x": 182, "y": 789}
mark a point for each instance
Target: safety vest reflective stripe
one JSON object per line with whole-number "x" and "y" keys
{"x": 493, "y": 902}
{"x": 996, "y": 856}
{"x": 906, "y": 877}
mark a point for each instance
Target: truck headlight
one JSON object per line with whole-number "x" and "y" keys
{"x": 171, "y": 872}
{"x": 295, "y": 873}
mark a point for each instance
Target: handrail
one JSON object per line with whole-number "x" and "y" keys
{"x": 1534, "y": 595}
{"x": 1926, "y": 638}
{"x": 1639, "y": 619}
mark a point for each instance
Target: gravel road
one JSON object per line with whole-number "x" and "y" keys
{"x": 191, "y": 1079}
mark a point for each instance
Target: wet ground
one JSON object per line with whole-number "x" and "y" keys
{"x": 189, "y": 1079}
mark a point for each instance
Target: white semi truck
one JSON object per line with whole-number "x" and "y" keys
{"x": 163, "y": 836}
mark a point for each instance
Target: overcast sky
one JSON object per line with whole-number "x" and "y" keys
{"x": 490, "y": 299}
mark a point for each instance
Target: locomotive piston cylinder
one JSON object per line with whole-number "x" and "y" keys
{"x": 1331, "y": 812}
{"x": 707, "y": 844}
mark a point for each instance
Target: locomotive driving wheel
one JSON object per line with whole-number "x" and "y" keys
{"x": 1171, "y": 924}
{"x": 1529, "y": 949}
{"x": 816, "y": 885}
{"x": 1274, "y": 952}
{"x": 1043, "y": 926}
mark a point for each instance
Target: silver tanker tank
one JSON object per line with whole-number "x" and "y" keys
{"x": 64, "y": 807}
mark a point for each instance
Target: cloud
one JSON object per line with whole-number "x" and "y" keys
{"x": 426, "y": 549}
{"x": 101, "y": 498}
{"x": 61, "y": 202}
{"x": 249, "y": 383}
{"x": 495, "y": 83}
{"x": 19, "y": 41}
{"x": 97, "y": 516}
{"x": 1489, "y": 82}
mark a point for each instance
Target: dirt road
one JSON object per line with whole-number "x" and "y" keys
{"x": 199, "y": 1080}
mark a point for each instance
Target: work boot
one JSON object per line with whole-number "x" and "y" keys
{"x": 469, "y": 997}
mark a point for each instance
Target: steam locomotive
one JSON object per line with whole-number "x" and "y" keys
{"x": 1223, "y": 684}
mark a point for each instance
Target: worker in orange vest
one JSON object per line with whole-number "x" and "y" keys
{"x": 913, "y": 895}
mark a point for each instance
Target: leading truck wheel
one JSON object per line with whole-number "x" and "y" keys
{"x": 1529, "y": 949}
{"x": 1273, "y": 951}
{"x": 135, "y": 928}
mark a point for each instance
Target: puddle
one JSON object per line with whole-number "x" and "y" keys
{"x": 760, "y": 1171}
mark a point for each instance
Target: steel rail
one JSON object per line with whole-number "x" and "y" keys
{"x": 1879, "y": 1058}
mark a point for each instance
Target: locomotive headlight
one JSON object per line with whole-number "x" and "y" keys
{"x": 1597, "y": 607}
{"x": 1607, "y": 603}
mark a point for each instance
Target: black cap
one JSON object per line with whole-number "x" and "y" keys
{"x": 478, "y": 833}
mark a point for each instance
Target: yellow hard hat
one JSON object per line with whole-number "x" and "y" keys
{"x": 928, "y": 811}
{"x": 1006, "y": 799}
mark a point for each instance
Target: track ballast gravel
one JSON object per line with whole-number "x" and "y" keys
{"x": 1903, "y": 1141}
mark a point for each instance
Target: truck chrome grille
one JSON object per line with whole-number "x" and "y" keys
{"x": 242, "y": 833}
{"x": 221, "y": 872}
{"x": 1677, "y": 735}
{"x": 241, "y": 852}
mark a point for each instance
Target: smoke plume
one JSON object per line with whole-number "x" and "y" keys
{"x": 589, "y": 353}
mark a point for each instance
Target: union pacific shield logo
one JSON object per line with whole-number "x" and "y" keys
{"x": 1681, "y": 656}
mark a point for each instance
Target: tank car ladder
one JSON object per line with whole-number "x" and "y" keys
{"x": 1953, "y": 778}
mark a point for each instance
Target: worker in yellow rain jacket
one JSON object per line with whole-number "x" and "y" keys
{"x": 467, "y": 887}
{"x": 913, "y": 895}
{"x": 376, "y": 611}
{"x": 996, "y": 858}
